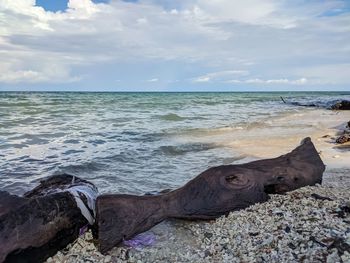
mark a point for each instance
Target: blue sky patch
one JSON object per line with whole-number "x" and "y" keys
{"x": 59, "y": 5}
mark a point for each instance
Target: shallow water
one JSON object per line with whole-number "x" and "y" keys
{"x": 129, "y": 142}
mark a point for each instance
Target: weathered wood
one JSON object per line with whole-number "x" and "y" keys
{"x": 43, "y": 221}
{"x": 213, "y": 193}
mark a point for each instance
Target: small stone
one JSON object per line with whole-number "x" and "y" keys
{"x": 292, "y": 246}
{"x": 207, "y": 253}
{"x": 343, "y": 139}
{"x": 333, "y": 257}
{"x": 208, "y": 235}
{"x": 107, "y": 259}
{"x": 287, "y": 229}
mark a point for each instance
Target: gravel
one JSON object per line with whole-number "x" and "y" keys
{"x": 311, "y": 224}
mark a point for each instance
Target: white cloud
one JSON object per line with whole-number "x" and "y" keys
{"x": 220, "y": 75}
{"x": 327, "y": 74}
{"x": 300, "y": 81}
{"x": 52, "y": 72}
{"x": 30, "y": 76}
{"x": 262, "y": 39}
{"x": 153, "y": 80}
{"x": 202, "y": 79}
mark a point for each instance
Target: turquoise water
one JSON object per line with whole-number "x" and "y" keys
{"x": 128, "y": 142}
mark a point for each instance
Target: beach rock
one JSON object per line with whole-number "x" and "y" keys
{"x": 343, "y": 139}
{"x": 45, "y": 220}
{"x": 341, "y": 105}
{"x": 215, "y": 192}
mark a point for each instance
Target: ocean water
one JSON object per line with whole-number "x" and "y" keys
{"x": 130, "y": 142}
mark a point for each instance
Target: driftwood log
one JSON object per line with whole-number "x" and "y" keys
{"x": 45, "y": 220}
{"x": 213, "y": 193}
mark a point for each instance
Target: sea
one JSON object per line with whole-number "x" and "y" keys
{"x": 132, "y": 143}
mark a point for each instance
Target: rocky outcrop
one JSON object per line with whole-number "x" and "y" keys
{"x": 343, "y": 139}
{"x": 341, "y": 105}
{"x": 345, "y": 136}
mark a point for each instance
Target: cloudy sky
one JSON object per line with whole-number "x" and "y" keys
{"x": 174, "y": 45}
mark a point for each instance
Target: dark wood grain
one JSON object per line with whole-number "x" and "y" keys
{"x": 37, "y": 225}
{"x": 213, "y": 193}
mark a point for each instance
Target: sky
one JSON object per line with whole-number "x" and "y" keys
{"x": 174, "y": 45}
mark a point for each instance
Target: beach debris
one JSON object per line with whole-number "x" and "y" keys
{"x": 343, "y": 139}
{"x": 215, "y": 192}
{"x": 340, "y": 244}
{"x": 341, "y": 105}
{"x": 344, "y": 135}
{"x": 46, "y": 219}
{"x": 140, "y": 241}
{"x": 319, "y": 197}
{"x": 343, "y": 210}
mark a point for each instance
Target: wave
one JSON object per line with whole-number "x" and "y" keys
{"x": 208, "y": 131}
{"x": 82, "y": 168}
{"x": 171, "y": 117}
{"x": 185, "y": 148}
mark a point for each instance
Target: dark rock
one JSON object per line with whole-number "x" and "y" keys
{"x": 287, "y": 229}
{"x": 208, "y": 234}
{"x": 343, "y": 139}
{"x": 319, "y": 197}
{"x": 341, "y": 105}
{"x": 340, "y": 245}
{"x": 292, "y": 246}
{"x": 207, "y": 253}
{"x": 313, "y": 239}
{"x": 342, "y": 211}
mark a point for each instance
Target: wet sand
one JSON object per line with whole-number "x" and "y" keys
{"x": 272, "y": 137}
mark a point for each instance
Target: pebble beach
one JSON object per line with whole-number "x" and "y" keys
{"x": 311, "y": 224}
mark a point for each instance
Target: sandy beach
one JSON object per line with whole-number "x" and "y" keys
{"x": 290, "y": 228}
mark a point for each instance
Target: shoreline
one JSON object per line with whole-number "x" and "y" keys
{"x": 272, "y": 137}
{"x": 291, "y": 227}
